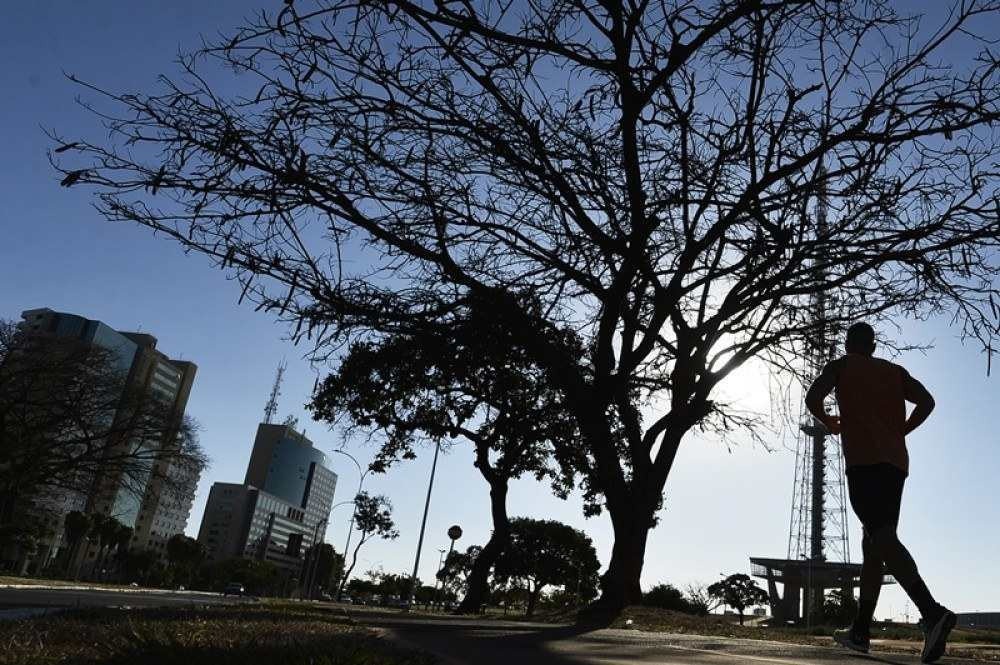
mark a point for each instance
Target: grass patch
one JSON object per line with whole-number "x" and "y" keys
{"x": 39, "y": 581}
{"x": 977, "y": 644}
{"x": 285, "y": 633}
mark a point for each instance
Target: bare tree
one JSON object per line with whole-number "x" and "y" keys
{"x": 648, "y": 171}
{"x": 70, "y": 420}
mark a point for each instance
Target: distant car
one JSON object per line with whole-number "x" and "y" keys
{"x": 234, "y": 589}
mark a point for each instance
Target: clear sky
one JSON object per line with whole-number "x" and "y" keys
{"x": 722, "y": 505}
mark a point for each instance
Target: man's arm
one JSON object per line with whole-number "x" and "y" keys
{"x": 820, "y": 388}
{"x": 915, "y": 392}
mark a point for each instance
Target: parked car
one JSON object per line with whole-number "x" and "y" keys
{"x": 234, "y": 589}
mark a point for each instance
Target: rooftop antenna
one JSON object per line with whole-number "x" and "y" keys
{"x": 271, "y": 409}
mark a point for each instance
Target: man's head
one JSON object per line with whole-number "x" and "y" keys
{"x": 861, "y": 339}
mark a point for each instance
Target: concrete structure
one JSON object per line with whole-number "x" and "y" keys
{"x": 141, "y": 505}
{"x": 284, "y": 500}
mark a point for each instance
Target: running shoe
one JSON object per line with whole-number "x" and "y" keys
{"x": 848, "y": 637}
{"x": 936, "y": 634}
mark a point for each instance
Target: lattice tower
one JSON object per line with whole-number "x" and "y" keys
{"x": 818, "y": 528}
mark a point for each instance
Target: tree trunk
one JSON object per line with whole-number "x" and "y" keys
{"x": 741, "y": 617}
{"x": 620, "y": 584}
{"x": 347, "y": 574}
{"x": 477, "y": 587}
{"x": 533, "y": 593}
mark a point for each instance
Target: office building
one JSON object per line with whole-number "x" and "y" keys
{"x": 282, "y": 505}
{"x": 138, "y": 504}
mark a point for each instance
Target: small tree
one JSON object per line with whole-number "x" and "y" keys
{"x": 545, "y": 553}
{"x": 668, "y": 597}
{"x": 457, "y": 569}
{"x": 76, "y": 526}
{"x": 701, "y": 601}
{"x": 139, "y": 565}
{"x": 840, "y": 606}
{"x": 324, "y": 564}
{"x": 373, "y": 517}
{"x": 738, "y": 591}
{"x": 185, "y": 555}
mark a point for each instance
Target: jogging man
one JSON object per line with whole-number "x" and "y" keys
{"x": 872, "y": 395}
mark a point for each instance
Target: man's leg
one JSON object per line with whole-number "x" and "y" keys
{"x": 901, "y": 565}
{"x": 872, "y": 573}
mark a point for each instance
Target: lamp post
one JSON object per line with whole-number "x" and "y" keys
{"x": 437, "y": 576}
{"x": 310, "y": 575}
{"x": 423, "y": 525}
{"x": 361, "y": 481}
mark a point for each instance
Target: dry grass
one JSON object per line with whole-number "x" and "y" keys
{"x": 221, "y": 635}
{"x": 973, "y": 644}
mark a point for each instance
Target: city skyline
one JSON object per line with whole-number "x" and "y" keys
{"x": 720, "y": 507}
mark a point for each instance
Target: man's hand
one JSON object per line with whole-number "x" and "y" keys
{"x": 832, "y": 423}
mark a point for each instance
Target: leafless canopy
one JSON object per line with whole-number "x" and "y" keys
{"x": 649, "y": 170}
{"x": 69, "y": 421}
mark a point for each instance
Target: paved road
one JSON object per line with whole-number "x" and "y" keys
{"x": 463, "y": 642}
{"x": 39, "y": 598}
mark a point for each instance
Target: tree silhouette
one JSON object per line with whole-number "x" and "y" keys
{"x": 373, "y": 518}
{"x": 738, "y": 591}
{"x": 184, "y": 554}
{"x": 546, "y": 553}
{"x": 471, "y": 383}
{"x": 69, "y": 419}
{"x": 645, "y": 174}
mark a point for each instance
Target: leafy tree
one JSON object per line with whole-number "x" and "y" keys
{"x": 545, "y": 553}
{"x": 372, "y": 517}
{"x": 668, "y": 597}
{"x": 646, "y": 174}
{"x": 472, "y": 383}
{"x": 260, "y": 578}
{"x": 394, "y": 584}
{"x": 840, "y": 606}
{"x": 324, "y": 564}
{"x": 457, "y": 570}
{"x": 76, "y": 525}
{"x": 738, "y": 591}
{"x": 139, "y": 565}
{"x": 184, "y": 554}
{"x": 362, "y": 587}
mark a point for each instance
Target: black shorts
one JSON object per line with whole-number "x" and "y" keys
{"x": 876, "y": 490}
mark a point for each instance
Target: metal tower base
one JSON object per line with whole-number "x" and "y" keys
{"x": 805, "y": 583}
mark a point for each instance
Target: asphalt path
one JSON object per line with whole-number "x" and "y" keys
{"x": 471, "y": 642}
{"x": 25, "y": 598}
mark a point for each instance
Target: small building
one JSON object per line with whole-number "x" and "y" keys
{"x": 979, "y": 620}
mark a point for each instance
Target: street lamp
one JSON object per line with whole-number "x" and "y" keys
{"x": 361, "y": 481}
{"x": 437, "y": 576}
{"x": 423, "y": 525}
{"x": 310, "y": 576}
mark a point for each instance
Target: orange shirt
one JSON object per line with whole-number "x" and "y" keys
{"x": 870, "y": 395}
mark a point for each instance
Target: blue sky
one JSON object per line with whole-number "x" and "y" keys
{"x": 722, "y": 505}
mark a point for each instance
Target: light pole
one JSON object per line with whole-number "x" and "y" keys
{"x": 350, "y": 529}
{"x": 423, "y": 525}
{"x": 437, "y": 576}
{"x": 314, "y": 564}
